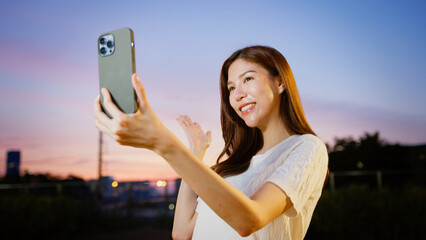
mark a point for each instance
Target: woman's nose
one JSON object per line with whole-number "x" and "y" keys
{"x": 240, "y": 93}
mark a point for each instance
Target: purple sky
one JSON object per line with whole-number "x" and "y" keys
{"x": 360, "y": 67}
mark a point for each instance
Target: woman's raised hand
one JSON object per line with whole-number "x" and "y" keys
{"x": 198, "y": 140}
{"x": 141, "y": 129}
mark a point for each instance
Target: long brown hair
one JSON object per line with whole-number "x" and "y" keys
{"x": 243, "y": 142}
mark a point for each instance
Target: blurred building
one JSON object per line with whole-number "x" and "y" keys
{"x": 141, "y": 190}
{"x": 107, "y": 188}
{"x": 177, "y": 185}
{"x": 13, "y": 163}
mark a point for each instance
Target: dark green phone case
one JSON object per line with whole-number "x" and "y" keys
{"x": 115, "y": 71}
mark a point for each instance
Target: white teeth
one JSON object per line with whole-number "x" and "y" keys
{"x": 247, "y": 107}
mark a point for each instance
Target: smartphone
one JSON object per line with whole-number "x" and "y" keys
{"x": 116, "y": 58}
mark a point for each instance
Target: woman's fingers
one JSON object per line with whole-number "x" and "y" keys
{"x": 110, "y": 106}
{"x": 192, "y": 128}
{"x": 102, "y": 128}
{"x": 181, "y": 122}
{"x": 188, "y": 120}
{"x": 198, "y": 140}
{"x": 99, "y": 113}
{"x": 97, "y": 105}
{"x": 198, "y": 127}
{"x": 182, "y": 119}
{"x": 137, "y": 130}
{"x": 187, "y": 129}
{"x": 140, "y": 92}
{"x": 209, "y": 135}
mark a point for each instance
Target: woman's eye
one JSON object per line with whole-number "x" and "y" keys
{"x": 248, "y": 79}
{"x": 231, "y": 88}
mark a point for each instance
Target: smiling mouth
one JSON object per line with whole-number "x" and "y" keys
{"x": 247, "y": 108}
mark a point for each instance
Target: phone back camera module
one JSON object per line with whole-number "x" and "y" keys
{"x": 106, "y": 45}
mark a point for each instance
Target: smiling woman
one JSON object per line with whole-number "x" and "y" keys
{"x": 274, "y": 166}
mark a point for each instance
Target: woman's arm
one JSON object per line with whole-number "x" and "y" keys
{"x": 244, "y": 214}
{"x": 143, "y": 129}
{"x": 185, "y": 215}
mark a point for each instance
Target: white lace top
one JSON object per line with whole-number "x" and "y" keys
{"x": 298, "y": 165}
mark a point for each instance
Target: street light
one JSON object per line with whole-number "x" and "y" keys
{"x": 114, "y": 184}
{"x": 161, "y": 183}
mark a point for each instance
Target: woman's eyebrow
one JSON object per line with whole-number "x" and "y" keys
{"x": 242, "y": 74}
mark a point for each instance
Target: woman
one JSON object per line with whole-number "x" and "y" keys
{"x": 274, "y": 166}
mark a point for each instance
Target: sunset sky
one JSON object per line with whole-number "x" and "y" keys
{"x": 359, "y": 66}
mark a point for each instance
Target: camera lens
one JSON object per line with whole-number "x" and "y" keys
{"x": 102, "y": 41}
{"x": 103, "y": 50}
{"x": 109, "y": 44}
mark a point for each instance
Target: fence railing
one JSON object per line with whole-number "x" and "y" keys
{"x": 27, "y": 186}
{"x": 377, "y": 174}
{"x": 331, "y": 182}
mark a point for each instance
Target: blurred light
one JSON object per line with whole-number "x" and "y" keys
{"x": 171, "y": 206}
{"x": 114, "y": 184}
{"x": 161, "y": 183}
{"x": 359, "y": 164}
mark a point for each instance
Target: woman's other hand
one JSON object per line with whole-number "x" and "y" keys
{"x": 198, "y": 140}
{"x": 141, "y": 129}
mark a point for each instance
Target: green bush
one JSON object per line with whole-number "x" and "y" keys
{"x": 55, "y": 217}
{"x": 358, "y": 212}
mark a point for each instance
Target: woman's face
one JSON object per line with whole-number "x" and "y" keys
{"x": 253, "y": 93}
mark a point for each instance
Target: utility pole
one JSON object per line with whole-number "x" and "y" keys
{"x": 166, "y": 197}
{"x": 99, "y": 189}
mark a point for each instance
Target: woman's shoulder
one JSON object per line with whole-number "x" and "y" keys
{"x": 310, "y": 140}
{"x": 307, "y": 143}
{"x": 308, "y": 137}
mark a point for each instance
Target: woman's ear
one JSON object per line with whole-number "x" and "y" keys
{"x": 280, "y": 85}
